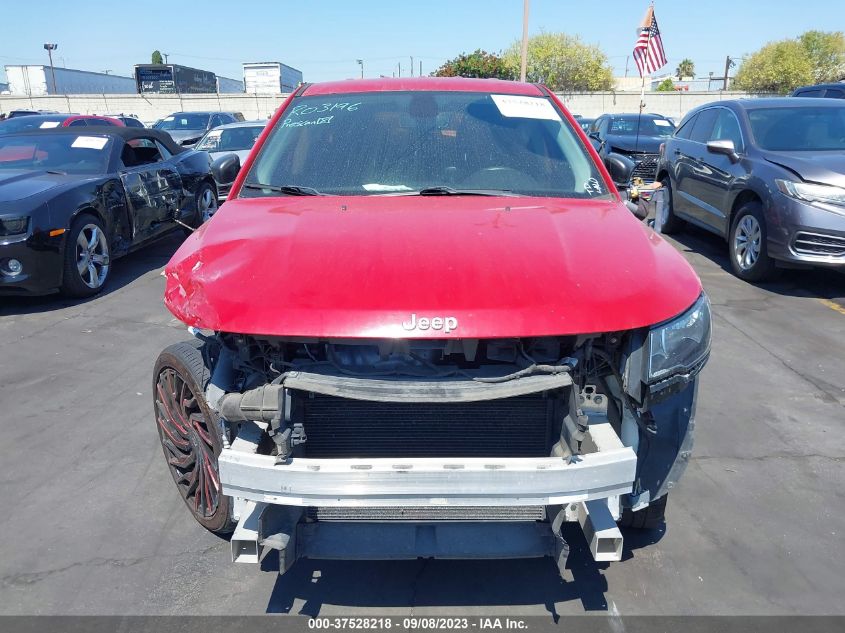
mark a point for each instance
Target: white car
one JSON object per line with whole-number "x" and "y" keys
{"x": 231, "y": 138}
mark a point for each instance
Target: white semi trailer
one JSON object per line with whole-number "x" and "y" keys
{"x": 38, "y": 80}
{"x": 270, "y": 78}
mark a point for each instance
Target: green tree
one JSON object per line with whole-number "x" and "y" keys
{"x": 777, "y": 67}
{"x": 156, "y": 57}
{"x": 477, "y": 64}
{"x": 562, "y": 62}
{"x": 686, "y": 69}
{"x": 826, "y": 52}
{"x": 667, "y": 85}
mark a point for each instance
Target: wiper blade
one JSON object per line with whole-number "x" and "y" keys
{"x": 450, "y": 191}
{"x": 289, "y": 190}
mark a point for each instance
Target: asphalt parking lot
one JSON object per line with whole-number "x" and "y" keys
{"x": 92, "y": 523}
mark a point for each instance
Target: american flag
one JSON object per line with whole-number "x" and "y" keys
{"x": 648, "y": 51}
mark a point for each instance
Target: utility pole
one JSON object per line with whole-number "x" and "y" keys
{"x": 728, "y": 63}
{"x": 524, "y": 62}
{"x": 400, "y": 69}
{"x": 412, "y": 65}
{"x": 420, "y": 75}
{"x": 627, "y": 58}
{"x": 361, "y": 64}
{"x": 50, "y": 48}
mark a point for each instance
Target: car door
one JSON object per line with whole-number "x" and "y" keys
{"x": 153, "y": 187}
{"x": 678, "y": 156}
{"x": 717, "y": 173}
{"x": 686, "y": 197}
{"x": 598, "y": 134}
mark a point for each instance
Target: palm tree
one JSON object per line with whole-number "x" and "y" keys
{"x": 685, "y": 69}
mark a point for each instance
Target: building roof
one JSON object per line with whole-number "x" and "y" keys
{"x": 456, "y": 84}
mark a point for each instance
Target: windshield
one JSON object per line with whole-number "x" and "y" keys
{"x": 404, "y": 142}
{"x": 23, "y": 123}
{"x": 648, "y": 127}
{"x": 68, "y": 153}
{"x": 183, "y": 121}
{"x": 230, "y": 139}
{"x": 798, "y": 128}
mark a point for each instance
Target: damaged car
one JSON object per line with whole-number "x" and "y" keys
{"x": 425, "y": 325}
{"x": 72, "y": 201}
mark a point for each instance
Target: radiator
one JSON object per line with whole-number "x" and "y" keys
{"x": 508, "y": 427}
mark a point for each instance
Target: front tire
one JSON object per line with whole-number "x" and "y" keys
{"x": 672, "y": 223}
{"x": 189, "y": 432}
{"x": 87, "y": 261}
{"x": 206, "y": 203}
{"x": 747, "y": 245}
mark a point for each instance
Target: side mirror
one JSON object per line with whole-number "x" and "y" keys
{"x": 620, "y": 167}
{"x": 225, "y": 169}
{"x": 594, "y": 135}
{"x": 723, "y": 146}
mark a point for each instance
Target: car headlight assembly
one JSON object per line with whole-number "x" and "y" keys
{"x": 813, "y": 193}
{"x": 662, "y": 360}
{"x": 13, "y": 226}
{"x": 681, "y": 346}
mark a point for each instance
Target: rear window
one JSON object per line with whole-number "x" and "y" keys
{"x": 798, "y": 128}
{"x": 68, "y": 153}
{"x": 35, "y": 122}
{"x": 230, "y": 139}
{"x": 402, "y": 142}
{"x": 647, "y": 127}
{"x": 183, "y": 121}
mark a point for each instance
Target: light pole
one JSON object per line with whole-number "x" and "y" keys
{"x": 50, "y": 48}
{"x": 165, "y": 57}
{"x": 524, "y": 61}
{"x": 361, "y": 64}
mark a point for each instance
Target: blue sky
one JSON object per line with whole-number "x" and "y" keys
{"x": 324, "y": 38}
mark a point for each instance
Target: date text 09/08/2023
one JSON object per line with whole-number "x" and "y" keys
{"x": 420, "y": 623}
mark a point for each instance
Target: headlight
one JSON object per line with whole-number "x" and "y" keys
{"x": 809, "y": 192}
{"x": 681, "y": 345}
{"x": 13, "y": 226}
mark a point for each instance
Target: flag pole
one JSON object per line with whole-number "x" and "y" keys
{"x": 650, "y": 18}
{"x": 647, "y": 43}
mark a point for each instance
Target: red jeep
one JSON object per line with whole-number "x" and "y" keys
{"x": 426, "y": 325}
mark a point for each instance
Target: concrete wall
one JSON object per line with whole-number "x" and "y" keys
{"x": 255, "y": 106}
{"x": 673, "y": 104}
{"x": 147, "y": 107}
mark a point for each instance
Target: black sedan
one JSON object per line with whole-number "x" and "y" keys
{"x": 71, "y": 201}
{"x": 636, "y": 137}
{"x": 766, "y": 174}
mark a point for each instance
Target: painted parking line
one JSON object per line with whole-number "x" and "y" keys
{"x": 833, "y": 306}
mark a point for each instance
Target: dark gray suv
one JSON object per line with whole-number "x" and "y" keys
{"x": 766, "y": 174}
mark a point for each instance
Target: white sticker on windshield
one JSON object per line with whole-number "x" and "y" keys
{"x": 374, "y": 186}
{"x": 662, "y": 123}
{"x": 90, "y": 142}
{"x": 47, "y": 124}
{"x": 525, "y": 107}
{"x": 168, "y": 118}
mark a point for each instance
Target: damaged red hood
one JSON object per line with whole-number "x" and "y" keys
{"x": 426, "y": 267}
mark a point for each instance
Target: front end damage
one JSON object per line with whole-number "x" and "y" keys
{"x": 453, "y": 448}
